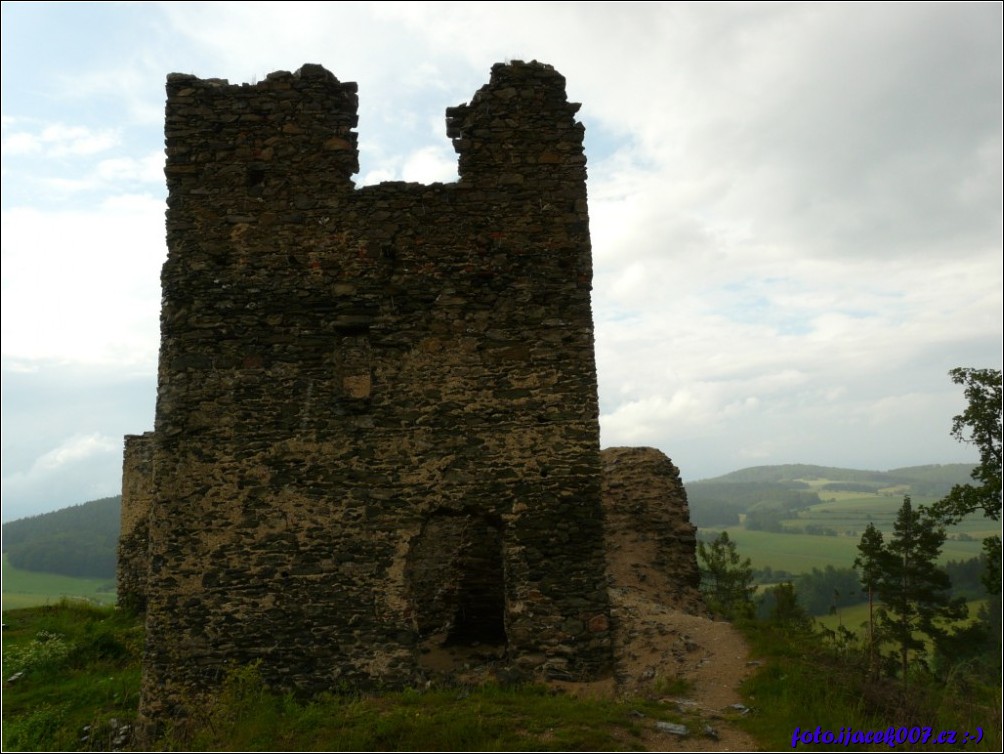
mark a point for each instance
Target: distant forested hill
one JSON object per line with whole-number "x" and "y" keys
{"x": 717, "y": 503}
{"x": 81, "y": 540}
{"x": 791, "y": 487}
{"x": 941, "y": 476}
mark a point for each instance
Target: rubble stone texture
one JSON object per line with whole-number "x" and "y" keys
{"x": 377, "y": 422}
{"x": 650, "y": 542}
{"x": 137, "y": 499}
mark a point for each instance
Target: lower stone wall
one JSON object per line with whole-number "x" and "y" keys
{"x": 454, "y": 574}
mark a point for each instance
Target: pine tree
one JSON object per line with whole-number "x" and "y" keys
{"x": 785, "y": 609}
{"x": 913, "y": 590}
{"x": 726, "y": 579}
{"x": 873, "y": 562}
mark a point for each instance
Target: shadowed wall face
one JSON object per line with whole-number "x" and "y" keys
{"x": 376, "y": 420}
{"x": 137, "y": 499}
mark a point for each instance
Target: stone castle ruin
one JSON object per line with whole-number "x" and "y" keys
{"x": 376, "y": 431}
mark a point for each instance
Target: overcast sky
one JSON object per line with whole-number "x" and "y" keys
{"x": 795, "y": 209}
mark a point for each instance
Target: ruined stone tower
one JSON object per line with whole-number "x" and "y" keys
{"x": 376, "y": 427}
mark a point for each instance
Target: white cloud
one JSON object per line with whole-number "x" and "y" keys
{"x": 430, "y": 165}
{"x": 75, "y": 450}
{"x": 112, "y": 174}
{"x": 146, "y": 169}
{"x": 81, "y": 285}
{"x": 795, "y": 208}
{"x": 134, "y": 86}
{"x": 58, "y": 140}
{"x": 377, "y": 175}
{"x": 21, "y": 143}
{"x": 81, "y": 468}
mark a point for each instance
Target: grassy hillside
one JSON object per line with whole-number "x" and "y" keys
{"x": 75, "y": 670}
{"x": 80, "y": 684}
{"x": 849, "y": 513}
{"x": 78, "y": 676}
{"x": 805, "y": 681}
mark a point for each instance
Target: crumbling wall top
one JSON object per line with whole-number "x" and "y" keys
{"x": 274, "y": 131}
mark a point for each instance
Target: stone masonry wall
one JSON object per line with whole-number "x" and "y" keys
{"x": 376, "y": 420}
{"x": 651, "y": 545}
{"x": 137, "y": 499}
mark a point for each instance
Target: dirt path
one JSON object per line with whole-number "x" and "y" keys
{"x": 656, "y": 647}
{"x": 690, "y": 663}
{"x": 664, "y": 646}
{"x": 656, "y": 644}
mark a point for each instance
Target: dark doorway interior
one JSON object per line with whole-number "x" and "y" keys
{"x": 480, "y": 595}
{"x": 456, "y": 576}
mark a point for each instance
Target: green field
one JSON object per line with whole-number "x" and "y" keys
{"x": 800, "y": 553}
{"x": 29, "y": 588}
{"x": 855, "y": 616}
{"x": 847, "y": 514}
{"x": 850, "y": 512}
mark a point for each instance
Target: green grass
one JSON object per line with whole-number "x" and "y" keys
{"x": 855, "y": 617}
{"x": 81, "y": 669}
{"x": 481, "y": 718}
{"x": 29, "y": 588}
{"x": 800, "y": 553}
{"x": 79, "y": 666}
{"x": 81, "y": 677}
{"x": 852, "y": 617}
{"x": 804, "y": 683}
{"x": 795, "y": 553}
